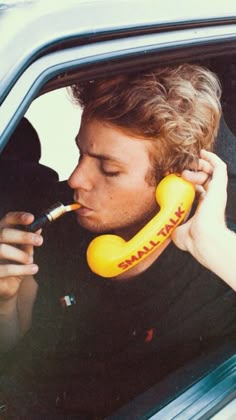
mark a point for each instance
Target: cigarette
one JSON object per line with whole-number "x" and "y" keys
{"x": 72, "y": 207}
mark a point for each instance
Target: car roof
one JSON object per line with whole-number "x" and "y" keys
{"x": 29, "y": 28}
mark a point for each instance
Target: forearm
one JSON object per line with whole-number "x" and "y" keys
{"x": 221, "y": 258}
{"x": 9, "y": 325}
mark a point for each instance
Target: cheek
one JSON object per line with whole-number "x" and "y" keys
{"x": 129, "y": 202}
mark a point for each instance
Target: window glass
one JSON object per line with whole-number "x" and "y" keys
{"x": 57, "y": 120}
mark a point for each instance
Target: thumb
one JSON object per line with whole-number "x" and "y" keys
{"x": 180, "y": 235}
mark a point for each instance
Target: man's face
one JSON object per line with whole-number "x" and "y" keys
{"x": 112, "y": 180}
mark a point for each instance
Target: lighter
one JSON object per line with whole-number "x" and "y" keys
{"x": 49, "y": 215}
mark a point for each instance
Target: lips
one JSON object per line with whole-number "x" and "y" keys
{"x": 83, "y": 207}
{"x": 83, "y": 210}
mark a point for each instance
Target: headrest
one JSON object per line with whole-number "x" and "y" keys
{"x": 15, "y": 172}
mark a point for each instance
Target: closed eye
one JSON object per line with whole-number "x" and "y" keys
{"x": 110, "y": 173}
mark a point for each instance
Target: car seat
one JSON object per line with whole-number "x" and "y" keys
{"x": 25, "y": 184}
{"x": 225, "y": 146}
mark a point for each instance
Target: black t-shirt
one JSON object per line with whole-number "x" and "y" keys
{"x": 96, "y": 343}
{"x": 101, "y": 342}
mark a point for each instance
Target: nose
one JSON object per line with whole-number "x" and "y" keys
{"x": 81, "y": 177}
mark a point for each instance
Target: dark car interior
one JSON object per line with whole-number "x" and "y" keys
{"x": 197, "y": 390}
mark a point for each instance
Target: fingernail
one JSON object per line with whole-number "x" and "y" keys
{"x": 34, "y": 268}
{"x": 25, "y": 216}
{"x": 38, "y": 240}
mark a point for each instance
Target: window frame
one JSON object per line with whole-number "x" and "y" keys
{"x": 113, "y": 55}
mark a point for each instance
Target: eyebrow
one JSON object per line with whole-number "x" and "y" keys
{"x": 100, "y": 156}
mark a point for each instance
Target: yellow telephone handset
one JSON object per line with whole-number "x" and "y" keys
{"x": 110, "y": 255}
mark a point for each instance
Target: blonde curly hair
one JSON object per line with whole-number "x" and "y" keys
{"x": 177, "y": 108}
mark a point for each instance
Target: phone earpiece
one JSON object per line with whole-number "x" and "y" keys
{"x": 110, "y": 255}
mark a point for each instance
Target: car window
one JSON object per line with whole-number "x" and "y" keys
{"x": 56, "y": 119}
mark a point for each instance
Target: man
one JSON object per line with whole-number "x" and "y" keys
{"x": 91, "y": 344}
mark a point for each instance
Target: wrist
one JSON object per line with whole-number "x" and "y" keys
{"x": 9, "y": 325}
{"x": 221, "y": 256}
{"x": 8, "y": 306}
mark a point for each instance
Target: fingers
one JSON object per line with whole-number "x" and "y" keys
{"x": 211, "y": 184}
{"x": 16, "y": 253}
{"x": 214, "y": 160}
{"x": 197, "y": 178}
{"x": 17, "y": 270}
{"x": 11, "y": 253}
{"x": 209, "y": 216}
{"x": 17, "y": 245}
{"x": 209, "y": 166}
{"x": 11, "y": 233}
{"x": 16, "y": 236}
{"x": 217, "y": 185}
{"x": 202, "y": 175}
{"x": 218, "y": 168}
{"x": 17, "y": 218}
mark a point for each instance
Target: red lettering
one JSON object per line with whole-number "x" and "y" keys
{"x": 141, "y": 254}
{"x": 154, "y": 243}
{"x": 174, "y": 222}
{"x": 132, "y": 260}
{"x": 168, "y": 228}
{"x": 149, "y": 335}
{"x": 161, "y": 232}
{"x": 123, "y": 265}
{"x": 179, "y": 212}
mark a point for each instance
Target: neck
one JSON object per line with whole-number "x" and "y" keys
{"x": 144, "y": 264}
{"x": 128, "y": 232}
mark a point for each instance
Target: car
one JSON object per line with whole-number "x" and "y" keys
{"x": 46, "y": 46}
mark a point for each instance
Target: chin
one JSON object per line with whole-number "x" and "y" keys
{"x": 92, "y": 226}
